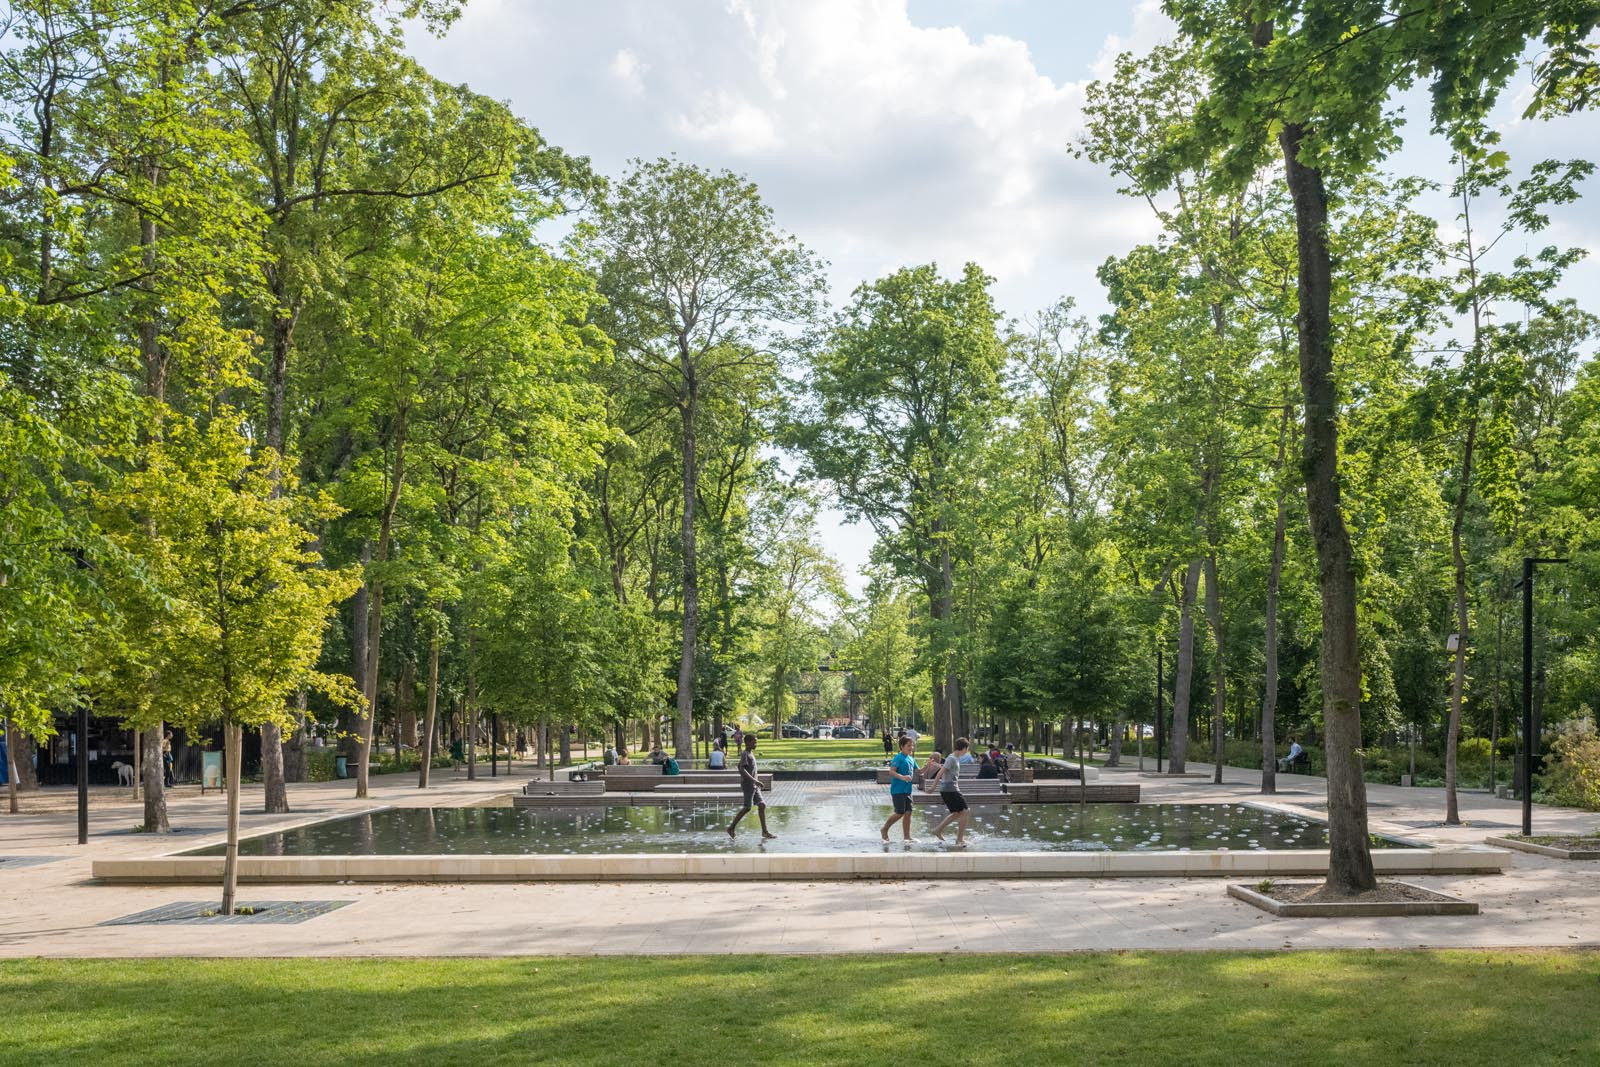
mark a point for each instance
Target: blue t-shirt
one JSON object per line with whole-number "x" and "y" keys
{"x": 902, "y": 764}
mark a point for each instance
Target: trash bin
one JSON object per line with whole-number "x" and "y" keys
{"x": 341, "y": 766}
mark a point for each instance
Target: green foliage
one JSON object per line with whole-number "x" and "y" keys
{"x": 1572, "y": 775}
{"x": 239, "y": 627}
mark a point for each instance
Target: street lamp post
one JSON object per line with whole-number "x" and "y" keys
{"x": 83, "y": 772}
{"x": 83, "y": 564}
{"x": 1530, "y": 740}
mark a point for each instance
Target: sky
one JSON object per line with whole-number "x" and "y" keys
{"x": 883, "y": 132}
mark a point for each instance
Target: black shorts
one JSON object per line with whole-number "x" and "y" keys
{"x": 902, "y": 803}
{"x": 754, "y": 799}
{"x": 953, "y": 800}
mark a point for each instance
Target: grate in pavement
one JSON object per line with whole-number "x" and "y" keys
{"x": 270, "y": 912}
{"x": 11, "y": 863}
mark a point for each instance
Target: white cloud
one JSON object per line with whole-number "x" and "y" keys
{"x": 877, "y": 141}
{"x": 629, "y": 71}
{"x": 730, "y": 122}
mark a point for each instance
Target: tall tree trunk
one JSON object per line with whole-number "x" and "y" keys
{"x": 1114, "y": 753}
{"x": 155, "y": 359}
{"x": 1219, "y": 703}
{"x": 1350, "y": 856}
{"x": 432, "y": 713}
{"x": 1458, "y": 678}
{"x": 1269, "y": 695}
{"x": 469, "y": 711}
{"x": 369, "y": 711}
{"x": 294, "y": 750}
{"x": 11, "y": 766}
{"x": 952, "y": 690}
{"x": 233, "y": 753}
{"x": 272, "y": 776}
{"x": 566, "y": 744}
{"x": 1185, "y": 677}
{"x": 155, "y": 793}
{"x": 359, "y": 604}
{"x": 682, "y": 727}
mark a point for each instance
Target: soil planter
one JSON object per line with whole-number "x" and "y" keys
{"x": 1391, "y": 899}
{"x": 1557, "y": 847}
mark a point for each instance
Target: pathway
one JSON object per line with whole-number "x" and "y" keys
{"x": 49, "y": 907}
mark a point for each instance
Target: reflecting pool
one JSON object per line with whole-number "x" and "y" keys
{"x": 835, "y": 827}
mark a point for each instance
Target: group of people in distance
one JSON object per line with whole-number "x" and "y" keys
{"x": 941, "y": 773}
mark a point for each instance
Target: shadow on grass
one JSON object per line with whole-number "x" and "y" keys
{"x": 1122, "y": 1008}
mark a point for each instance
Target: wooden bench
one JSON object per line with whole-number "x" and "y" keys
{"x": 646, "y": 778}
{"x": 564, "y": 788}
{"x": 969, "y": 774}
{"x": 654, "y": 798}
{"x": 985, "y": 792}
{"x": 1046, "y": 768}
{"x": 1060, "y": 791}
{"x": 732, "y": 789}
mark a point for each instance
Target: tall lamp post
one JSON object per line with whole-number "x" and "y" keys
{"x": 1530, "y": 739}
{"x": 83, "y": 564}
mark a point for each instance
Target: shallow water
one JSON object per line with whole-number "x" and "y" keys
{"x": 836, "y": 828}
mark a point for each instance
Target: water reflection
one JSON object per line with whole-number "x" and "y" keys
{"x": 817, "y": 828}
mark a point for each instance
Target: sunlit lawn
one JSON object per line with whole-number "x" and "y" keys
{"x": 1347, "y": 1008}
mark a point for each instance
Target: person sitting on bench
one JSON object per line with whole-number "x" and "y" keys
{"x": 1296, "y": 755}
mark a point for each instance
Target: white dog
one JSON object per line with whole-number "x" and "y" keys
{"x": 124, "y": 773}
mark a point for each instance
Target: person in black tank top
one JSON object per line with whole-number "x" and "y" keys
{"x": 750, "y": 782}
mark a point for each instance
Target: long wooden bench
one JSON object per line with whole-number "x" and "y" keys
{"x": 564, "y": 788}
{"x": 969, "y": 774}
{"x": 653, "y": 798}
{"x": 1062, "y": 791}
{"x": 1055, "y": 770}
{"x": 632, "y": 779}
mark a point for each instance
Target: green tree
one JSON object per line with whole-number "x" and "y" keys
{"x": 907, "y": 385}
{"x": 699, "y": 283}
{"x": 245, "y": 604}
{"x": 1318, "y": 76}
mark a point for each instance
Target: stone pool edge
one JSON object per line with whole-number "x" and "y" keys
{"x": 655, "y": 867}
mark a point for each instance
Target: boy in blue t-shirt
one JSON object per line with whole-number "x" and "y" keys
{"x": 901, "y": 769}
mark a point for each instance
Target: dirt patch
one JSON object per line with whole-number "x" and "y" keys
{"x": 1590, "y": 843}
{"x": 1319, "y": 893}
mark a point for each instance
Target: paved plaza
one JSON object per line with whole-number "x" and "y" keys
{"x": 52, "y": 908}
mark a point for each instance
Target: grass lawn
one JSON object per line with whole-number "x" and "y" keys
{"x": 1348, "y": 1008}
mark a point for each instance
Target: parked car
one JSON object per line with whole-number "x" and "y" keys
{"x": 855, "y": 733}
{"x": 792, "y": 730}
{"x": 823, "y": 733}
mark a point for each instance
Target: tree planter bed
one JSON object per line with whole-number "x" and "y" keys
{"x": 1390, "y": 899}
{"x": 1557, "y": 846}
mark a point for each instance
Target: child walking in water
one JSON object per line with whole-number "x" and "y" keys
{"x": 901, "y": 770}
{"x": 949, "y": 778}
{"x": 750, "y": 781}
